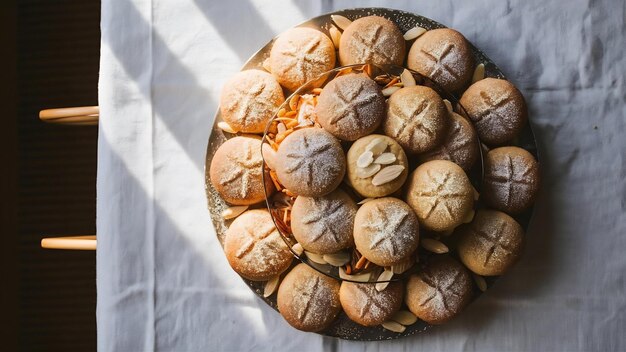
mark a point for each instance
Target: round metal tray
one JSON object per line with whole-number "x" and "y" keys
{"x": 343, "y": 327}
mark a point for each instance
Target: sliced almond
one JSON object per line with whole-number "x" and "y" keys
{"x": 341, "y": 21}
{"x": 385, "y": 276}
{"x": 404, "y": 317}
{"x": 316, "y": 258}
{"x": 335, "y": 36}
{"x": 364, "y": 277}
{"x": 479, "y": 73}
{"x": 266, "y": 65}
{"x": 365, "y": 159}
{"x": 271, "y": 286}
{"x": 476, "y": 194}
{"x": 377, "y": 146}
{"x": 337, "y": 259}
{"x": 224, "y": 126}
{"x": 469, "y": 216}
{"x": 281, "y": 128}
{"x": 387, "y": 174}
{"x": 407, "y": 78}
{"x": 402, "y": 266}
{"x": 293, "y": 102}
{"x": 480, "y": 282}
{"x": 390, "y": 90}
{"x": 448, "y": 105}
{"x": 394, "y": 326}
{"x": 433, "y": 246}
{"x": 297, "y": 248}
{"x": 365, "y": 201}
{"x": 385, "y": 159}
{"x": 365, "y": 172}
{"x": 414, "y": 33}
{"x": 234, "y": 211}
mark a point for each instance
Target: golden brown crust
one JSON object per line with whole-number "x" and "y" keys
{"x": 372, "y": 39}
{"x": 440, "y": 194}
{"x": 254, "y": 247}
{"x": 308, "y": 300}
{"x": 365, "y": 305}
{"x": 236, "y": 169}
{"x": 443, "y": 55}
{"x": 416, "y": 118}
{"x": 440, "y": 291}
{"x": 511, "y": 180}
{"x": 497, "y": 109}
{"x": 324, "y": 224}
{"x": 299, "y": 55}
{"x": 350, "y": 106}
{"x": 491, "y": 243}
{"x": 364, "y": 186}
{"x": 310, "y": 162}
{"x": 460, "y": 145}
{"x": 386, "y": 231}
{"x": 249, "y": 100}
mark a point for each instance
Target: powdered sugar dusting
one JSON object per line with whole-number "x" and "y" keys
{"x": 511, "y": 178}
{"x": 256, "y": 245}
{"x": 441, "y": 193}
{"x": 499, "y": 236}
{"x": 460, "y": 145}
{"x": 241, "y": 175}
{"x": 313, "y": 299}
{"x": 310, "y": 162}
{"x": 369, "y": 304}
{"x": 350, "y": 106}
{"x": 249, "y": 100}
{"x": 372, "y": 40}
{"x": 416, "y": 118}
{"x": 444, "y": 56}
{"x": 301, "y": 54}
{"x": 446, "y": 289}
{"x": 324, "y": 224}
{"x": 497, "y": 109}
{"x": 390, "y": 229}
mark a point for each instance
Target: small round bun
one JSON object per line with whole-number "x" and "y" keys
{"x": 511, "y": 180}
{"x": 310, "y": 162}
{"x": 497, "y": 109}
{"x": 460, "y": 145}
{"x": 359, "y": 177}
{"x": 300, "y": 55}
{"x": 236, "y": 169}
{"x": 491, "y": 244}
{"x": 445, "y": 56}
{"x": 324, "y": 224}
{"x": 308, "y": 300}
{"x": 254, "y": 247}
{"x": 386, "y": 231}
{"x": 372, "y": 39}
{"x": 249, "y": 100}
{"x": 440, "y": 291}
{"x": 417, "y": 118}
{"x": 350, "y": 106}
{"x": 441, "y": 195}
{"x": 367, "y": 306}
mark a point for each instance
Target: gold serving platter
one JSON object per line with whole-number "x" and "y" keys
{"x": 343, "y": 327}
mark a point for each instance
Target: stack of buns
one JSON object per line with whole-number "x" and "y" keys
{"x": 367, "y": 169}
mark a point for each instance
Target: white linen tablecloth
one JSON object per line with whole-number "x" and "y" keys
{"x": 163, "y": 282}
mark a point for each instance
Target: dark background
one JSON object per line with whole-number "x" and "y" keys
{"x": 50, "y": 54}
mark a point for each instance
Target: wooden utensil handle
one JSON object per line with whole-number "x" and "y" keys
{"x": 85, "y": 243}
{"x": 84, "y": 115}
